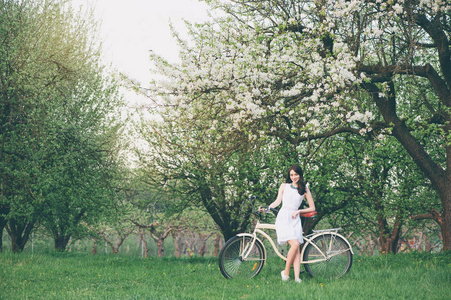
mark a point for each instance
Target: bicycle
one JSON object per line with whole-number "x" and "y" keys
{"x": 324, "y": 253}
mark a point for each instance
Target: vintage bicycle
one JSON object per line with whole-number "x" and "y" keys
{"x": 325, "y": 253}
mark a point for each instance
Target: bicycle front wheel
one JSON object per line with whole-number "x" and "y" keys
{"x": 332, "y": 256}
{"x": 232, "y": 260}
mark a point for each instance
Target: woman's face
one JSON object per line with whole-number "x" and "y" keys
{"x": 294, "y": 176}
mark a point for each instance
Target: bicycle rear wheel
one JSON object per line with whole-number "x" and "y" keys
{"x": 231, "y": 261}
{"x": 334, "y": 254}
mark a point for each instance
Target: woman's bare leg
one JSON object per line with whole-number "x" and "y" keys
{"x": 297, "y": 264}
{"x": 293, "y": 255}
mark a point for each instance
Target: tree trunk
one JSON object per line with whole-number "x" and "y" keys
{"x": 203, "y": 238}
{"x": 187, "y": 242}
{"x": 389, "y": 240}
{"x": 4, "y": 211}
{"x": 177, "y": 243}
{"x": 117, "y": 240}
{"x": 160, "y": 246}
{"x": 389, "y": 244}
{"x": 61, "y": 242}
{"x": 223, "y": 216}
{"x": 159, "y": 238}
{"x": 94, "y": 247}
{"x": 192, "y": 243}
{"x": 143, "y": 240}
{"x": 371, "y": 244}
{"x": 19, "y": 233}
{"x": 2, "y": 227}
{"x": 445, "y": 227}
{"x": 217, "y": 246}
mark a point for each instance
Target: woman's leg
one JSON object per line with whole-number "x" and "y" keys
{"x": 292, "y": 256}
{"x": 297, "y": 264}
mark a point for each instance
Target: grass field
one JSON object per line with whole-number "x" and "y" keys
{"x": 82, "y": 276}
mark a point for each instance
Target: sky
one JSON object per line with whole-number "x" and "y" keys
{"x": 132, "y": 28}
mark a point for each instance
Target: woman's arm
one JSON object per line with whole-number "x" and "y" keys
{"x": 278, "y": 199}
{"x": 311, "y": 204}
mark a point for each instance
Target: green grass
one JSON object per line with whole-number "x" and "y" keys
{"x": 82, "y": 276}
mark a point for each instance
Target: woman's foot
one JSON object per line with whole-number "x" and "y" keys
{"x": 298, "y": 280}
{"x": 284, "y": 277}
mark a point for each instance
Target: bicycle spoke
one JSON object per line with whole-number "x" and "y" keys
{"x": 232, "y": 262}
{"x": 329, "y": 255}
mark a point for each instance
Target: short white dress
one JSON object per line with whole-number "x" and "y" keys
{"x": 288, "y": 228}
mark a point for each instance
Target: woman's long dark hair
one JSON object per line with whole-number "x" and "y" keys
{"x": 301, "y": 182}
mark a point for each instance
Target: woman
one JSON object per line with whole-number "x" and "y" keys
{"x": 288, "y": 222}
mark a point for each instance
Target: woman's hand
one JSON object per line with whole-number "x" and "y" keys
{"x": 293, "y": 215}
{"x": 261, "y": 209}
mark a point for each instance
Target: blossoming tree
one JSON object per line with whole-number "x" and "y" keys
{"x": 303, "y": 70}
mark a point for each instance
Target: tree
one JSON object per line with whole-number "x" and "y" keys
{"x": 159, "y": 232}
{"x": 198, "y": 169}
{"x": 192, "y": 230}
{"x": 58, "y": 127}
{"x": 378, "y": 183}
{"x": 306, "y": 70}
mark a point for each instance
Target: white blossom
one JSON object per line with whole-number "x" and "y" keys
{"x": 398, "y": 8}
{"x": 378, "y": 31}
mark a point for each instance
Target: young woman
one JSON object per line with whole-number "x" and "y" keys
{"x": 288, "y": 222}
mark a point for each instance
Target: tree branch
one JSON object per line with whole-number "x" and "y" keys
{"x": 433, "y": 215}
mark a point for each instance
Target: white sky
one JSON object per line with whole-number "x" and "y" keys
{"x": 131, "y": 28}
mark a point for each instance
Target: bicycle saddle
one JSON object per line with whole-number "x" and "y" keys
{"x": 308, "y": 214}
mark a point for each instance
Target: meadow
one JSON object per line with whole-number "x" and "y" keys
{"x": 55, "y": 275}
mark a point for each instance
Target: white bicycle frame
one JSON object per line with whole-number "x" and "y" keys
{"x": 308, "y": 240}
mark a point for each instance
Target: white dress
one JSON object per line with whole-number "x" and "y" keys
{"x": 288, "y": 228}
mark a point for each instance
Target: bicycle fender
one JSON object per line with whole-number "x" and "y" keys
{"x": 251, "y": 236}
{"x": 334, "y": 233}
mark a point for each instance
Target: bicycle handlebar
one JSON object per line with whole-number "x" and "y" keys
{"x": 268, "y": 209}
